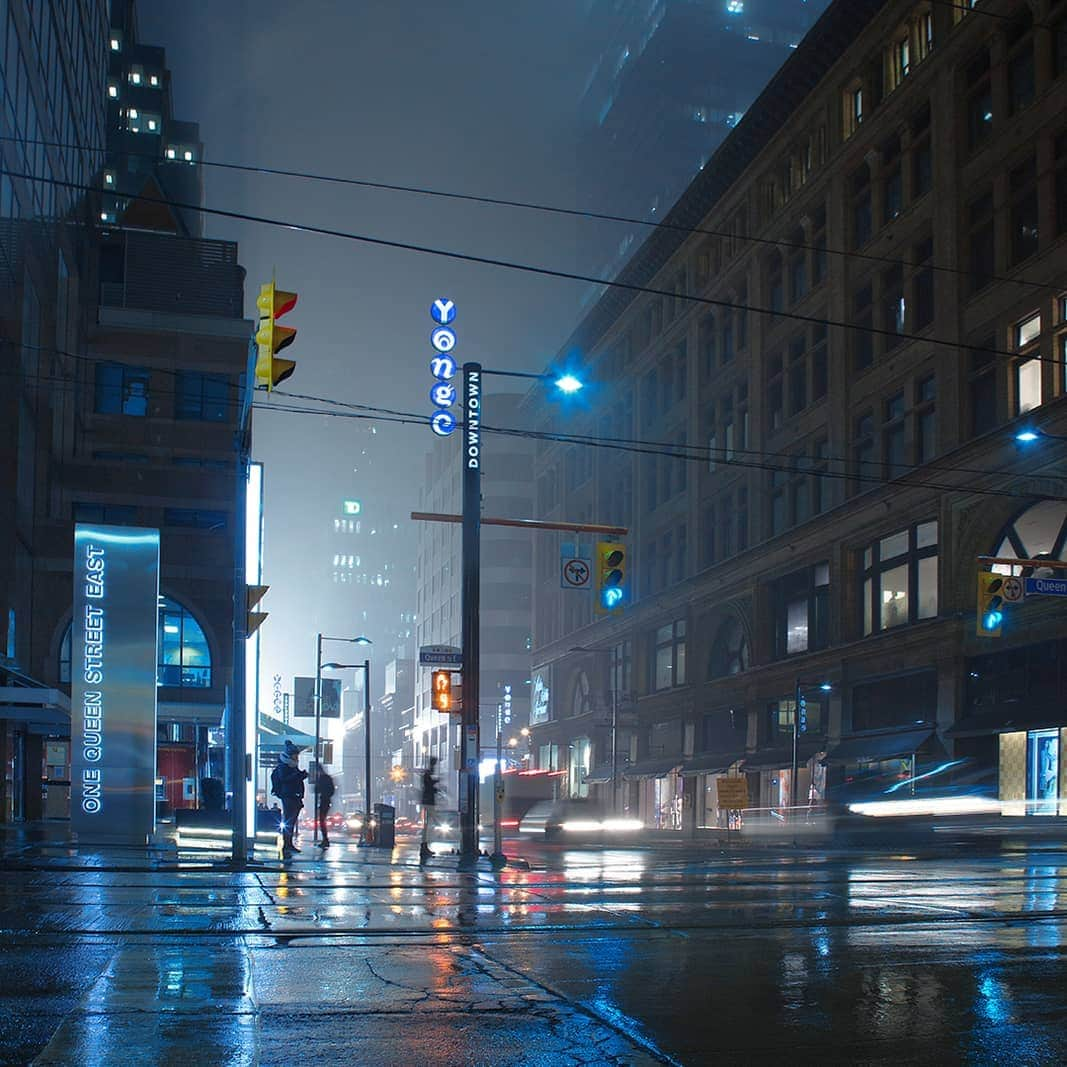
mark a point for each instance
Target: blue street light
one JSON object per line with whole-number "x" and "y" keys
{"x": 567, "y": 383}
{"x": 826, "y": 687}
{"x": 1026, "y": 436}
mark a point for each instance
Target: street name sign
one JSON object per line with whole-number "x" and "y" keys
{"x": 1046, "y": 586}
{"x": 440, "y": 656}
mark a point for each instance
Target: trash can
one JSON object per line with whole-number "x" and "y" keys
{"x": 385, "y": 830}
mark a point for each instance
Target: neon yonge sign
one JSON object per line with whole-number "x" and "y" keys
{"x": 443, "y": 367}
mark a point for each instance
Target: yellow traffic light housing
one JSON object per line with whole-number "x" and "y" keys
{"x": 254, "y": 619}
{"x": 990, "y": 604}
{"x": 612, "y": 587}
{"x": 271, "y": 338}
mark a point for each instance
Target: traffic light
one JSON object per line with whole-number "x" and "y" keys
{"x": 272, "y": 338}
{"x": 990, "y": 604}
{"x": 441, "y": 684}
{"x": 612, "y": 590}
{"x": 254, "y": 619}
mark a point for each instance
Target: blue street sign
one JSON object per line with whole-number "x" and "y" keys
{"x": 1047, "y": 586}
{"x": 442, "y": 423}
{"x": 442, "y": 311}
{"x": 443, "y": 339}
{"x": 442, "y": 395}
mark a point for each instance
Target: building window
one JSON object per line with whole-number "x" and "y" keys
{"x": 979, "y": 101}
{"x": 862, "y": 321}
{"x": 780, "y": 714}
{"x": 1039, "y": 532}
{"x": 1060, "y": 151}
{"x": 184, "y": 654}
{"x": 729, "y": 650}
{"x": 1026, "y": 336}
{"x": 922, "y": 283}
{"x": 709, "y": 348}
{"x": 900, "y": 578}
{"x": 894, "y": 306}
{"x": 894, "y": 437}
{"x": 1024, "y": 213}
{"x": 818, "y": 243}
{"x": 798, "y": 268}
{"x": 1021, "y": 78}
{"x": 922, "y": 160}
{"x": 981, "y": 241}
{"x": 668, "y": 656}
{"x": 775, "y": 391}
{"x": 892, "y": 181}
{"x": 798, "y": 375}
{"x": 897, "y": 60}
{"x": 851, "y": 109}
{"x": 111, "y": 514}
{"x": 863, "y": 452}
{"x": 201, "y": 396}
{"x": 982, "y": 385}
{"x": 121, "y": 390}
{"x": 801, "y": 611}
{"x": 195, "y": 518}
{"x": 926, "y": 419}
{"x": 860, "y": 203}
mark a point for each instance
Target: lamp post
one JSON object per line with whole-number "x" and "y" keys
{"x": 614, "y": 722}
{"x": 798, "y": 694}
{"x": 319, "y": 667}
{"x": 471, "y": 465}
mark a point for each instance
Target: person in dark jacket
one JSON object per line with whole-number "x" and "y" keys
{"x": 287, "y": 784}
{"x": 431, "y": 789}
{"x": 324, "y": 791}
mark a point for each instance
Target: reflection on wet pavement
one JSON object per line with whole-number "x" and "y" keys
{"x": 623, "y": 956}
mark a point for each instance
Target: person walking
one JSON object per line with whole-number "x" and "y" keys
{"x": 287, "y": 784}
{"x": 431, "y": 788}
{"x": 324, "y": 791}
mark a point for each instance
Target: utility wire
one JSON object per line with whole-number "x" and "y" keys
{"x": 904, "y": 482}
{"x": 546, "y": 272}
{"x": 545, "y": 208}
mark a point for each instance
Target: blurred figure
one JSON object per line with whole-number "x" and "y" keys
{"x": 287, "y": 784}
{"x": 324, "y": 791}
{"x": 431, "y": 789}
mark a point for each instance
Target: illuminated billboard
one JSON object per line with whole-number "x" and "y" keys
{"x": 113, "y": 683}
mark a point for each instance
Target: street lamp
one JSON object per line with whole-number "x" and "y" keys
{"x": 319, "y": 667}
{"x": 799, "y": 690}
{"x": 471, "y": 463}
{"x": 614, "y": 722}
{"x": 1029, "y": 435}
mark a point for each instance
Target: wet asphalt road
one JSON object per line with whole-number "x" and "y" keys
{"x": 644, "y": 955}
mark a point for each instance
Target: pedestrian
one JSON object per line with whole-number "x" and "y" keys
{"x": 287, "y": 784}
{"x": 324, "y": 791}
{"x": 431, "y": 789}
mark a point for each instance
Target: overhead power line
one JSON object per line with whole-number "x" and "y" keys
{"x": 536, "y": 206}
{"x": 545, "y": 272}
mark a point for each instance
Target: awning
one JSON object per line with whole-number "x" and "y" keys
{"x": 777, "y": 759}
{"x": 1008, "y": 719}
{"x": 602, "y": 775}
{"x": 189, "y": 712}
{"x": 875, "y": 745}
{"x": 710, "y": 763}
{"x": 35, "y": 706}
{"x": 652, "y": 768}
{"x": 273, "y": 734}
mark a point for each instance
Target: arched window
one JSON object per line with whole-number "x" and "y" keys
{"x": 1040, "y": 532}
{"x": 184, "y": 657}
{"x": 729, "y": 651}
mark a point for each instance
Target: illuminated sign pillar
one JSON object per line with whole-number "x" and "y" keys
{"x": 114, "y": 634}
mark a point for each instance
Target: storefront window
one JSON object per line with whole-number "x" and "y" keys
{"x": 581, "y": 757}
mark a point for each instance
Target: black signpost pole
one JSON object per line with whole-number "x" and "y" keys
{"x": 471, "y": 458}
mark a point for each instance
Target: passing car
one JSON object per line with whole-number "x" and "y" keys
{"x": 577, "y": 820}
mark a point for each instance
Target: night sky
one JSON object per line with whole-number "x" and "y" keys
{"x": 469, "y": 96}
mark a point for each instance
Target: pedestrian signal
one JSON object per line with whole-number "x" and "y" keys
{"x": 441, "y": 687}
{"x": 611, "y": 582}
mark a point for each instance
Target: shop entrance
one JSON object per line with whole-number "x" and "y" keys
{"x": 1042, "y": 771}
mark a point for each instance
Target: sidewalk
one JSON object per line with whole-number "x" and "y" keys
{"x": 126, "y": 956}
